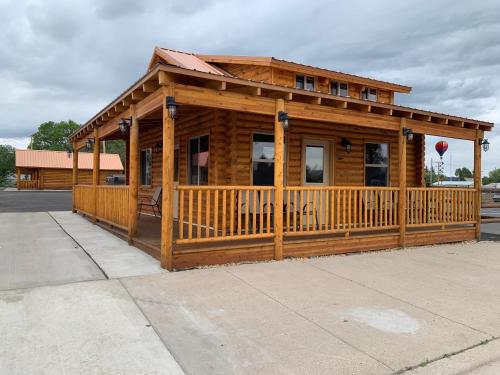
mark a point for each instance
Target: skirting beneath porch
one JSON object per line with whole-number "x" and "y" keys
{"x": 198, "y": 255}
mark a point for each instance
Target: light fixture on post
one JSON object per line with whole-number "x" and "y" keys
{"x": 408, "y": 133}
{"x": 485, "y": 144}
{"x": 172, "y": 107}
{"x": 347, "y": 144}
{"x": 89, "y": 144}
{"x": 125, "y": 124}
{"x": 284, "y": 119}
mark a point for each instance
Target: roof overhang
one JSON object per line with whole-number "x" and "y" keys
{"x": 314, "y": 106}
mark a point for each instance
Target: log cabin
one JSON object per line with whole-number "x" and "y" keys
{"x": 259, "y": 158}
{"x": 53, "y": 170}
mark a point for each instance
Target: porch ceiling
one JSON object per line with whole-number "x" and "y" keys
{"x": 200, "y": 89}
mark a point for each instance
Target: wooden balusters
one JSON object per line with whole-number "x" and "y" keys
{"x": 217, "y": 213}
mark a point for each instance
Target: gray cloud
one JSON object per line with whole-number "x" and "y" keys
{"x": 61, "y": 60}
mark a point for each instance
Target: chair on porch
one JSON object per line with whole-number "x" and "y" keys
{"x": 154, "y": 203}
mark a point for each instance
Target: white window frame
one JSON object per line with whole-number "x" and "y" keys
{"x": 305, "y": 81}
{"x": 368, "y": 96}
{"x": 339, "y": 83}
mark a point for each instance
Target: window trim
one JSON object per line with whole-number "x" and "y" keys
{"x": 189, "y": 161}
{"x": 150, "y": 149}
{"x": 305, "y": 80}
{"x": 388, "y": 165}
{"x": 368, "y": 97}
{"x": 339, "y": 83}
{"x": 327, "y": 157}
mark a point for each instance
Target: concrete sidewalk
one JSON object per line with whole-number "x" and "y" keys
{"x": 59, "y": 312}
{"x": 424, "y": 310}
{"x": 114, "y": 256}
{"x": 376, "y": 313}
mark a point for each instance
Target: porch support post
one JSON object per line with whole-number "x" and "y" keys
{"x": 279, "y": 149}
{"x": 477, "y": 184}
{"x": 402, "y": 185}
{"x": 167, "y": 200}
{"x": 133, "y": 174}
{"x": 95, "y": 171}
{"x": 18, "y": 177}
{"x": 75, "y": 172}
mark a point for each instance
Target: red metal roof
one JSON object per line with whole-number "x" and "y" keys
{"x": 60, "y": 160}
{"x": 187, "y": 61}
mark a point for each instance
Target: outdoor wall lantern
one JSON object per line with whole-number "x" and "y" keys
{"x": 124, "y": 124}
{"x": 408, "y": 133}
{"x": 172, "y": 107}
{"x": 485, "y": 144}
{"x": 89, "y": 144}
{"x": 283, "y": 118}
{"x": 157, "y": 148}
{"x": 347, "y": 144}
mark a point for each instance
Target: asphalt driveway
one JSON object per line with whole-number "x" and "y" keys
{"x": 34, "y": 201}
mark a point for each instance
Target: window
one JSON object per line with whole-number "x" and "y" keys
{"x": 315, "y": 164}
{"x": 198, "y": 160}
{"x": 376, "y": 164}
{"x": 263, "y": 159}
{"x": 339, "y": 88}
{"x": 146, "y": 166}
{"x": 304, "y": 82}
{"x": 369, "y": 94}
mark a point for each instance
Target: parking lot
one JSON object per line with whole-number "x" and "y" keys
{"x": 34, "y": 201}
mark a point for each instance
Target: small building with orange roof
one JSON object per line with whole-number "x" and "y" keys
{"x": 43, "y": 169}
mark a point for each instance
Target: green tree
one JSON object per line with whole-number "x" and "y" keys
{"x": 53, "y": 136}
{"x": 116, "y": 147}
{"x": 463, "y": 173}
{"x": 432, "y": 174}
{"x": 7, "y": 162}
{"x": 493, "y": 177}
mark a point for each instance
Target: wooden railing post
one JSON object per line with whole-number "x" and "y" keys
{"x": 75, "y": 173}
{"x": 167, "y": 217}
{"x": 279, "y": 150}
{"x": 95, "y": 171}
{"x": 477, "y": 185}
{"x": 133, "y": 175}
{"x": 402, "y": 185}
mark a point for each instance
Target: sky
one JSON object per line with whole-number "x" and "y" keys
{"x": 63, "y": 59}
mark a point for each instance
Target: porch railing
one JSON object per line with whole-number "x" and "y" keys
{"x": 83, "y": 198}
{"x": 440, "y": 206}
{"x": 112, "y": 204}
{"x": 333, "y": 209}
{"x": 28, "y": 184}
{"x": 220, "y": 213}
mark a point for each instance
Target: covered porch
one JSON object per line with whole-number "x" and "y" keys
{"x": 255, "y": 172}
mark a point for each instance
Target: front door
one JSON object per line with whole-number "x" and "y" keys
{"x": 316, "y": 163}
{"x": 316, "y": 172}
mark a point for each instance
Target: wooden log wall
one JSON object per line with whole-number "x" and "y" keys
{"x": 230, "y": 160}
{"x": 62, "y": 179}
{"x": 286, "y": 78}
